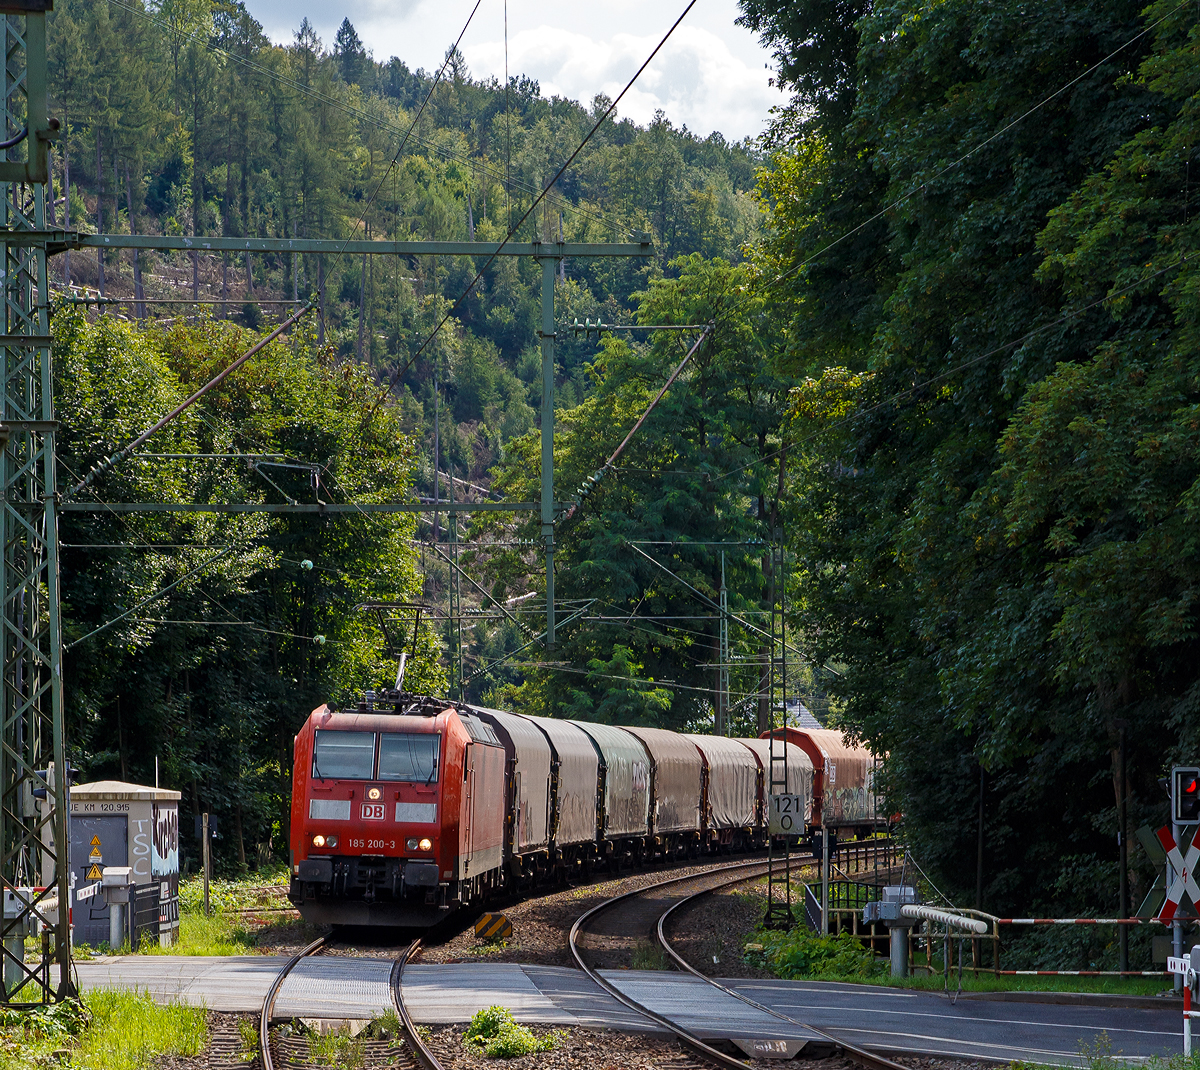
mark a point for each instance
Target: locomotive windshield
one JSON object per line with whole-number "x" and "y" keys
{"x": 408, "y": 756}
{"x": 344, "y": 755}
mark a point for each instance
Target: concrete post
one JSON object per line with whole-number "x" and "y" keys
{"x": 207, "y": 858}
{"x": 898, "y": 942}
{"x": 116, "y": 926}
{"x": 889, "y": 910}
{"x": 14, "y": 976}
{"x": 824, "y": 881}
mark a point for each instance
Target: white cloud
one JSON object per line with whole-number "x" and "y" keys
{"x": 710, "y": 74}
{"x": 696, "y": 80}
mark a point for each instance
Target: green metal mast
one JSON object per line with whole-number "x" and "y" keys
{"x": 34, "y": 847}
{"x": 549, "y": 267}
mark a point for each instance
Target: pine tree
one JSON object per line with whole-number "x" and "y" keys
{"x": 350, "y": 54}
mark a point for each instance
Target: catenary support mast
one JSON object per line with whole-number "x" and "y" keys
{"x": 549, "y": 264}
{"x": 33, "y": 780}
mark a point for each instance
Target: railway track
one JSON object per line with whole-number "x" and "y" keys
{"x": 291, "y": 1051}
{"x": 659, "y": 901}
{"x": 862, "y": 1056}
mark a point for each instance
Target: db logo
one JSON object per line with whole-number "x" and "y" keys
{"x": 372, "y": 811}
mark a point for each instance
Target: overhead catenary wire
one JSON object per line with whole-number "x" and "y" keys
{"x": 900, "y": 395}
{"x": 562, "y": 667}
{"x": 249, "y": 625}
{"x": 395, "y": 377}
{"x": 415, "y": 119}
{"x": 732, "y": 616}
{"x": 935, "y": 379}
{"x": 596, "y": 476}
{"x": 147, "y": 600}
{"x": 125, "y": 521}
{"x": 64, "y": 300}
{"x": 907, "y": 195}
{"x": 220, "y": 377}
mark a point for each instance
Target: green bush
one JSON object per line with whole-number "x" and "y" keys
{"x": 494, "y": 1032}
{"x": 800, "y": 953}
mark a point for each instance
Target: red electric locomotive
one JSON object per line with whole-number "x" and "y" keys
{"x": 394, "y": 812}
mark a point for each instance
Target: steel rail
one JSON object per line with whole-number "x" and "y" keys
{"x": 268, "y": 1007}
{"x": 420, "y": 1050}
{"x": 859, "y": 1055}
{"x": 689, "y": 1039}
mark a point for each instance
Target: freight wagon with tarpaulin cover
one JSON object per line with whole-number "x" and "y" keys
{"x": 575, "y": 787}
{"x": 800, "y": 777}
{"x": 676, "y": 785}
{"x": 397, "y": 812}
{"x": 729, "y": 796}
{"x": 528, "y": 760}
{"x": 844, "y": 799}
{"x": 623, "y": 816}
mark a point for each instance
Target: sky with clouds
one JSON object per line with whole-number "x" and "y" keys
{"x": 711, "y": 74}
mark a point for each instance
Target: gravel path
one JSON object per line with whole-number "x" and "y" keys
{"x": 589, "y": 1049}
{"x": 711, "y": 933}
{"x": 541, "y": 925}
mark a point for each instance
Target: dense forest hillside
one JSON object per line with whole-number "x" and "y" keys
{"x": 960, "y": 378}
{"x": 944, "y": 431}
{"x": 986, "y": 250}
{"x": 183, "y": 118}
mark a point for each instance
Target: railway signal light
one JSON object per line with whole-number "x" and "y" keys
{"x": 1185, "y": 795}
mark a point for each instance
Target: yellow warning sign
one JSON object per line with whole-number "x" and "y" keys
{"x": 94, "y": 874}
{"x": 95, "y": 854}
{"x": 95, "y": 841}
{"x": 493, "y": 927}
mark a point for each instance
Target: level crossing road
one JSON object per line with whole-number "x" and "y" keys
{"x": 900, "y": 1020}
{"x": 879, "y": 1018}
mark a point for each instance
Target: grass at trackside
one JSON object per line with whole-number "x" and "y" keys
{"x": 1101, "y": 1056}
{"x": 801, "y": 955}
{"x": 110, "y": 1030}
{"x": 242, "y": 910}
{"x": 986, "y": 982}
{"x": 218, "y": 934}
{"x": 129, "y": 1031}
{"x": 262, "y": 890}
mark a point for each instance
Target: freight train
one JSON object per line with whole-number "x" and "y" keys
{"x": 408, "y": 808}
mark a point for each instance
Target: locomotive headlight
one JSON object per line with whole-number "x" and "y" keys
{"x": 318, "y": 840}
{"x": 410, "y": 845}
{"x": 426, "y": 845}
{"x": 332, "y": 841}
{"x": 374, "y": 793}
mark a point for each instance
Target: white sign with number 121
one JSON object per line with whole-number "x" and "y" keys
{"x": 787, "y": 815}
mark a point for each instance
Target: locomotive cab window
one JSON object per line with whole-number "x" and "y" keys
{"x": 408, "y": 756}
{"x": 344, "y": 755}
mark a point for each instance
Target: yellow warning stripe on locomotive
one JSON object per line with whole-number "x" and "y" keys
{"x": 493, "y": 927}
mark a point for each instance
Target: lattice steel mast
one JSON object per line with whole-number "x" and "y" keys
{"x": 33, "y": 784}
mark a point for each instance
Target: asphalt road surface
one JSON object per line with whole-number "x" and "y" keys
{"x": 883, "y": 1019}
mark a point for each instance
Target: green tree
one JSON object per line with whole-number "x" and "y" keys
{"x": 924, "y": 319}
{"x": 215, "y": 675}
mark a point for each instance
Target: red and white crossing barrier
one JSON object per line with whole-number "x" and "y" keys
{"x": 1084, "y": 921}
{"x": 1080, "y": 973}
{"x": 1183, "y": 967}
